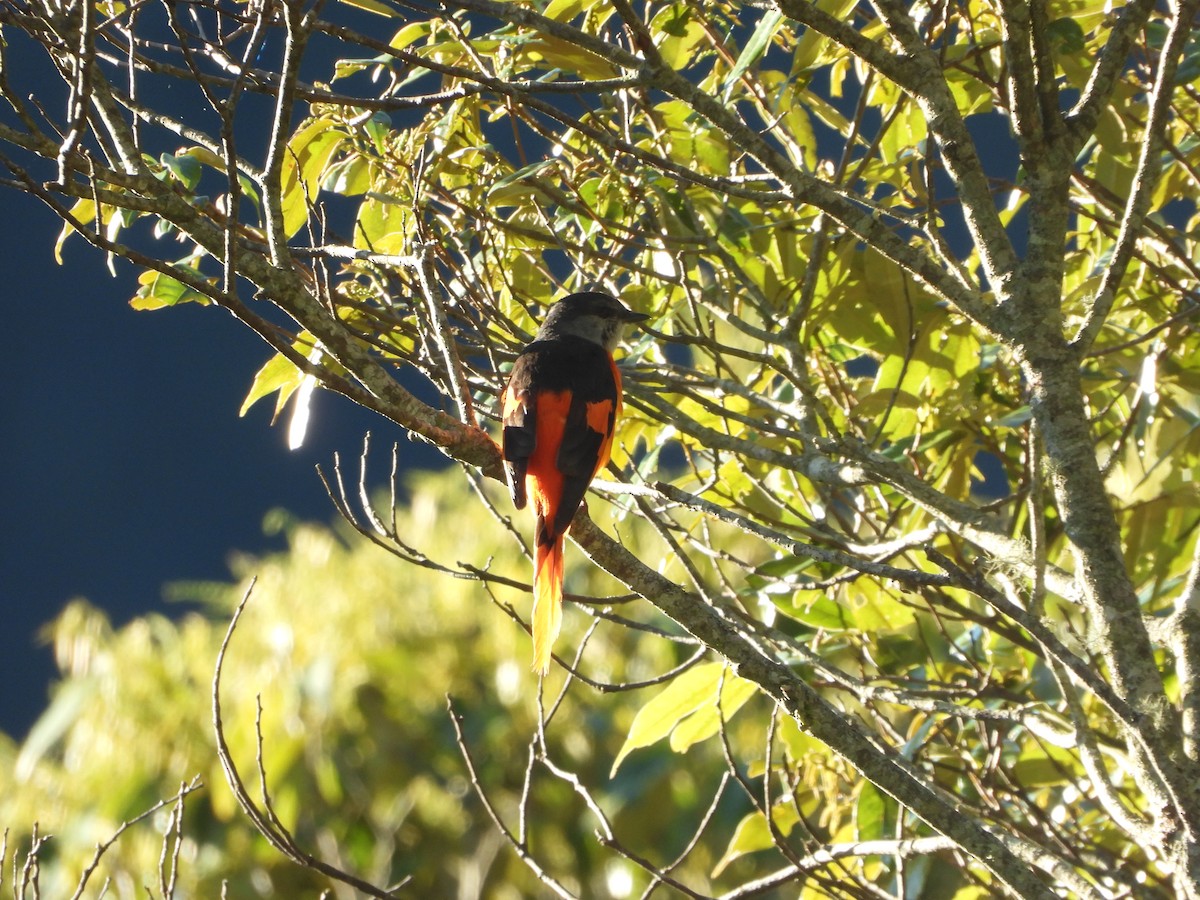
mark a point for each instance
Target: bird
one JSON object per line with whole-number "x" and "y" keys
{"x": 559, "y": 412}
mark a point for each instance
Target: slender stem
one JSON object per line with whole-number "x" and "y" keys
{"x": 1149, "y": 166}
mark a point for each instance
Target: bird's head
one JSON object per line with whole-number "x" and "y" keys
{"x": 590, "y": 315}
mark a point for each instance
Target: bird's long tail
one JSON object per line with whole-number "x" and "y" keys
{"x": 547, "y": 600}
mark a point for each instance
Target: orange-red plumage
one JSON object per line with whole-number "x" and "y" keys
{"x": 544, "y": 482}
{"x": 560, "y": 410}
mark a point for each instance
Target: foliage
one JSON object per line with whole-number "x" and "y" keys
{"x": 886, "y": 246}
{"x": 352, "y": 658}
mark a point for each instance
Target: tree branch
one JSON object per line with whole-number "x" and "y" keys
{"x": 264, "y": 819}
{"x": 809, "y": 709}
{"x": 1106, "y": 73}
{"x": 1145, "y": 178}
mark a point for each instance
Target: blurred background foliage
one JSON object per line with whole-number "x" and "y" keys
{"x": 353, "y": 655}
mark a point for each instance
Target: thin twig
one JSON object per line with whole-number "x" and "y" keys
{"x": 265, "y": 820}
{"x": 518, "y": 845}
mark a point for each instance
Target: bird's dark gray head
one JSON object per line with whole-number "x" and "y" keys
{"x": 590, "y": 315}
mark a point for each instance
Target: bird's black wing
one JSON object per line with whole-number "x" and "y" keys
{"x": 519, "y": 415}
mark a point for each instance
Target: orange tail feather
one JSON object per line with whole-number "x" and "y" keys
{"x": 547, "y": 601}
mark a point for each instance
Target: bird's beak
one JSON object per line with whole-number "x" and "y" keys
{"x": 629, "y": 316}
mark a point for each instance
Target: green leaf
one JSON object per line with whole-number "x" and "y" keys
{"x": 349, "y": 176}
{"x": 308, "y": 154}
{"x": 753, "y": 833}
{"x": 1189, "y": 65}
{"x": 378, "y": 128}
{"x": 754, "y": 49}
{"x": 409, "y": 35}
{"x": 870, "y": 813}
{"x": 250, "y": 192}
{"x": 1037, "y": 771}
{"x": 784, "y": 566}
{"x": 566, "y": 10}
{"x": 205, "y": 156}
{"x": 496, "y": 189}
{"x": 545, "y": 53}
{"x": 158, "y": 290}
{"x": 694, "y": 690}
{"x": 85, "y": 212}
{"x": 384, "y": 224}
{"x": 1066, "y": 36}
{"x": 682, "y": 34}
{"x": 184, "y": 166}
{"x": 799, "y": 124}
{"x": 1015, "y": 419}
{"x": 279, "y": 374}
{"x": 876, "y": 610}
{"x": 683, "y": 696}
{"x": 814, "y": 48}
{"x": 820, "y": 612}
{"x": 705, "y": 722}
{"x": 375, "y": 6}
{"x": 798, "y": 744}
{"x": 71, "y": 698}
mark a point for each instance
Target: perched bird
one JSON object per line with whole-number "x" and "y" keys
{"x": 560, "y": 410}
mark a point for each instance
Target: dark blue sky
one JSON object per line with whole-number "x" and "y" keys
{"x": 125, "y": 463}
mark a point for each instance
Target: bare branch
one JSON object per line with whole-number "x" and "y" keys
{"x": 518, "y": 844}
{"x": 1106, "y": 73}
{"x": 905, "y": 848}
{"x": 265, "y": 821}
{"x": 1149, "y": 166}
{"x": 166, "y": 884}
